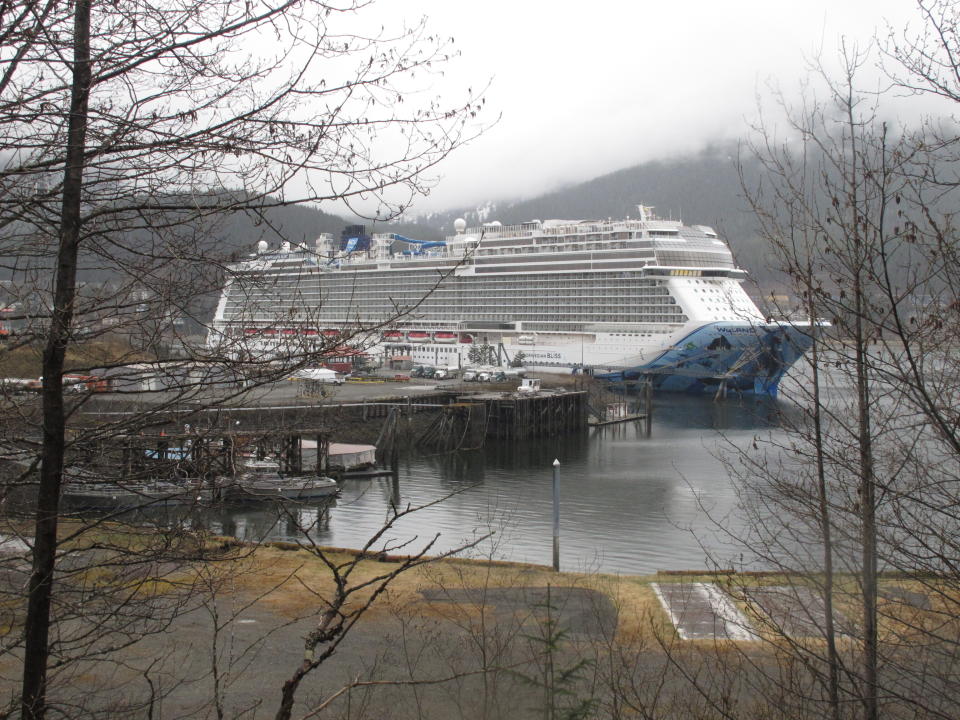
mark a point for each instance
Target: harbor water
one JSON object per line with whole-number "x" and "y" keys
{"x": 628, "y": 503}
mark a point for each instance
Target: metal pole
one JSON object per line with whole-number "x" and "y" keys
{"x": 556, "y": 515}
{"x": 648, "y": 404}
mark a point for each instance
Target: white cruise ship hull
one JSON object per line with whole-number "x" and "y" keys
{"x": 742, "y": 357}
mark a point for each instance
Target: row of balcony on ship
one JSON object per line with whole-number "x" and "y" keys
{"x": 443, "y": 336}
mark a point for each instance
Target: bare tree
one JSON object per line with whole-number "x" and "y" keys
{"x": 861, "y": 214}
{"x": 130, "y": 130}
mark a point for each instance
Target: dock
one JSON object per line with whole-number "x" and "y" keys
{"x": 203, "y": 441}
{"x": 471, "y": 419}
{"x": 609, "y": 408}
{"x": 545, "y": 414}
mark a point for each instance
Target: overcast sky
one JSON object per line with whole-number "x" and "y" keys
{"x": 588, "y": 87}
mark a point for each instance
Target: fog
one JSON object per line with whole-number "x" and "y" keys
{"x": 582, "y": 89}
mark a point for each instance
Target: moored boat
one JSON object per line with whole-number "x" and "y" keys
{"x": 127, "y": 496}
{"x": 263, "y": 480}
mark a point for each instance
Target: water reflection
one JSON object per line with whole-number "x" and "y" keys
{"x": 628, "y": 502}
{"x": 276, "y": 521}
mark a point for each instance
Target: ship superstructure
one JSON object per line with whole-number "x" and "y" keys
{"x": 644, "y": 295}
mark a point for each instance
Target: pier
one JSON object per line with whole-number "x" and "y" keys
{"x": 207, "y": 443}
{"x": 195, "y": 442}
{"x": 502, "y": 415}
{"x": 521, "y": 417}
{"x": 472, "y": 418}
{"x": 212, "y": 452}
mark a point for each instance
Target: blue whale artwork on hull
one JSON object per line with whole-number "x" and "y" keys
{"x": 725, "y": 356}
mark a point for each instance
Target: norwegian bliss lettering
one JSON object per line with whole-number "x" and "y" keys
{"x": 535, "y": 355}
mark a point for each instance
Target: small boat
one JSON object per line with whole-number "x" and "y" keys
{"x": 330, "y": 332}
{"x": 289, "y": 331}
{"x": 443, "y": 336}
{"x": 262, "y": 480}
{"x": 310, "y": 332}
{"x": 393, "y": 335}
{"x": 98, "y": 496}
{"x": 125, "y": 496}
{"x": 418, "y": 336}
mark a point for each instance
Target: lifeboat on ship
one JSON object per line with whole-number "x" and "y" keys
{"x": 250, "y": 331}
{"x": 270, "y": 331}
{"x": 310, "y": 332}
{"x": 393, "y": 335}
{"x": 331, "y": 333}
{"x": 444, "y": 336}
{"x": 418, "y": 336}
{"x": 288, "y": 331}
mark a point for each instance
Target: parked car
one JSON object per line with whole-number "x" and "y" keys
{"x": 428, "y": 372}
{"x": 440, "y": 374}
{"x": 499, "y": 377}
{"x": 483, "y": 377}
{"x": 469, "y": 375}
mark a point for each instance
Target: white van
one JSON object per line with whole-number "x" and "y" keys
{"x": 529, "y": 385}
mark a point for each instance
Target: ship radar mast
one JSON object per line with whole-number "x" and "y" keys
{"x": 459, "y": 225}
{"x": 646, "y": 212}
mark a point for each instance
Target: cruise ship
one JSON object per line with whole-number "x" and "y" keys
{"x": 642, "y": 297}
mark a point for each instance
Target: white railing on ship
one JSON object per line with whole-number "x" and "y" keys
{"x": 571, "y": 228}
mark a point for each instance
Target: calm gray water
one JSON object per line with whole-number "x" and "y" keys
{"x": 629, "y": 504}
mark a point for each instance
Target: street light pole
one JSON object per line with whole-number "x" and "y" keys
{"x": 556, "y": 515}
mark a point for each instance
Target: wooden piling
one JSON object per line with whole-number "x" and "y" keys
{"x": 515, "y": 417}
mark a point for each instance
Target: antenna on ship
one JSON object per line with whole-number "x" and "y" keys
{"x": 646, "y": 212}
